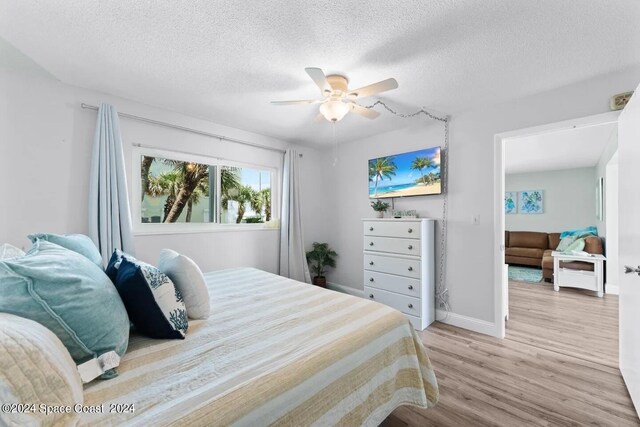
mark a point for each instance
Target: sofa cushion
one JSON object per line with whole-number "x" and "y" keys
{"x": 554, "y": 240}
{"x": 506, "y": 239}
{"x": 525, "y": 252}
{"x": 547, "y": 261}
{"x": 593, "y": 245}
{"x": 528, "y": 239}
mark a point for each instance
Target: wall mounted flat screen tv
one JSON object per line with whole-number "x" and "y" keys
{"x": 408, "y": 174}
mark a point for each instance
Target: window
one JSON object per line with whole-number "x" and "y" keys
{"x": 181, "y": 189}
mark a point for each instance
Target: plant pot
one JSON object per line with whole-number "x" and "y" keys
{"x": 380, "y": 214}
{"x": 320, "y": 281}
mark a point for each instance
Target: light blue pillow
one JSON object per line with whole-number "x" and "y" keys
{"x": 577, "y": 246}
{"x": 565, "y": 242}
{"x": 74, "y": 242}
{"x": 72, "y": 297}
{"x": 580, "y": 232}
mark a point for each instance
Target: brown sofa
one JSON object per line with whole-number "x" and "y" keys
{"x": 534, "y": 249}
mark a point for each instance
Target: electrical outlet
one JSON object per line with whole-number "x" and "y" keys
{"x": 475, "y": 220}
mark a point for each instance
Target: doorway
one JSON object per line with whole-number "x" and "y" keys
{"x": 556, "y": 181}
{"x": 553, "y": 157}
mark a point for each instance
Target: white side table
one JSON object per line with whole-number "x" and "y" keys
{"x": 583, "y": 279}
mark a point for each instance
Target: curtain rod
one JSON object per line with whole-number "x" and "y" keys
{"x": 187, "y": 129}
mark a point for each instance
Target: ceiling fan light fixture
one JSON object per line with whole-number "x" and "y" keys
{"x": 333, "y": 110}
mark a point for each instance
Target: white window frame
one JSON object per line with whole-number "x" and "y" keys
{"x": 140, "y": 228}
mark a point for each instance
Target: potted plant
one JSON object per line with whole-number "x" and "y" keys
{"x": 321, "y": 257}
{"x": 380, "y": 207}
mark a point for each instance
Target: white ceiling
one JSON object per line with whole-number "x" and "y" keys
{"x": 568, "y": 149}
{"x": 225, "y": 61}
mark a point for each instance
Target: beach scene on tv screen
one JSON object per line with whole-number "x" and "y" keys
{"x": 408, "y": 174}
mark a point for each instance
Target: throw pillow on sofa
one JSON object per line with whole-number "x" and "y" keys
{"x": 73, "y": 298}
{"x": 154, "y": 304}
{"x": 565, "y": 242}
{"x": 577, "y": 246}
{"x": 188, "y": 278}
{"x": 74, "y": 242}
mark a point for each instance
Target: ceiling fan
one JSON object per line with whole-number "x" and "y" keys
{"x": 337, "y": 99}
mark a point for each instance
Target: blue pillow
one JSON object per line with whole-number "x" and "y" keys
{"x": 114, "y": 264}
{"x": 74, "y": 242}
{"x": 154, "y": 304}
{"x": 72, "y": 297}
{"x": 580, "y": 232}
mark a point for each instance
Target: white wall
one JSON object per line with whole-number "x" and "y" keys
{"x": 46, "y": 144}
{"x": 569, "y": 200}
{"x": 471, "y": 181}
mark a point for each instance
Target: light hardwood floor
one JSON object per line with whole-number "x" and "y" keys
{"x": 556, "y": 367}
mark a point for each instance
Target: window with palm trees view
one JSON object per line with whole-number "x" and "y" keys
{"x": 177, "y": 191}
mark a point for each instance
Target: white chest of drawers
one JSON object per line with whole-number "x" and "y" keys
{"x": 399, "y": 266}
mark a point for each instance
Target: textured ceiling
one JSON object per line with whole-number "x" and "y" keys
{"x": 225, "y": 61}
{"x": 568, "y": 149}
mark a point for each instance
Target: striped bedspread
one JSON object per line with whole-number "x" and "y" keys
{"x": 273, "y": 352}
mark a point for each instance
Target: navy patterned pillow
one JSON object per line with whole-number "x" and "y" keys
{"x": 114, "y": 263}
{"x": 154, "y": 304}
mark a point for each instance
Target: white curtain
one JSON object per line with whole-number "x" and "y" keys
{"x": 293, "y": 261}
{"x": 109, "y": 214}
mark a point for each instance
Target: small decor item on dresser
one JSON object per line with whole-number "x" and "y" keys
{"x": 380, "y": 207}
{"x": 405, "y": 214}
{"x": 319, "y": 258}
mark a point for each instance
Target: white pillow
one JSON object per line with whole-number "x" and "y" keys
{"x": 8, "y": 251}
{"x": 187, "y": 277}
{"x": 36, "y": 368}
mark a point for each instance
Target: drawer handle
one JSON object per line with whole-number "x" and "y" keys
{"x": 371, "y": 296}
{"x": 371, "y": 279}
{"x": 410, "y": 268}
{"x": 370, "y": 262}
{"x": 410, "y": 305}
{"x": 410, "y": 230}
{"x": 370, "y": 228}
{"x": 410, "y": 247}
{"x": 410, "y": 287}
{"x": 370, "y": 243}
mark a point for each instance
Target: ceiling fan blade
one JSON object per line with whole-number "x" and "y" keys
{"x": 306, "y": 101}
{"x": 362, "y": 111}
{"x": 317, "y": 75}
{"x": 374, "y": 88}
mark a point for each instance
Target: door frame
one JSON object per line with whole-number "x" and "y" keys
{"x": 611, "y": 221}
{"x": 500, "y": 284}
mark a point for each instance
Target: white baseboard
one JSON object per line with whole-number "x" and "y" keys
{"x": 465, "y": 322}
{"x": 345, "y": 289}
{"x": 612, "y": 289}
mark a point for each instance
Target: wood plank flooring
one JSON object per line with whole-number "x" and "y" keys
{"x": 556, "y": 367}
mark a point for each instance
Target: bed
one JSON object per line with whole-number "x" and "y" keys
{"x": 273, "y": 352}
